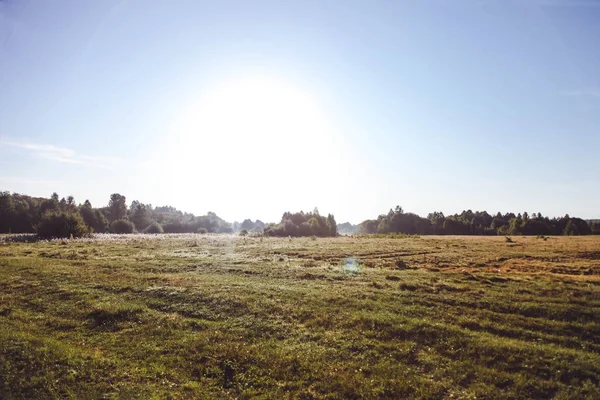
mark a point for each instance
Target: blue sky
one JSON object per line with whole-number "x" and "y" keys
{"x": 253, "y": 108}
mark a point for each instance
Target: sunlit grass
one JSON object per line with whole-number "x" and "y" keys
{"x": 219, "y": 316}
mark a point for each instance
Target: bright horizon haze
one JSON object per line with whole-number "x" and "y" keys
{"x": 253, "y": 108}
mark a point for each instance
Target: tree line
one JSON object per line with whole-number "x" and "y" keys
{"x": 476, "y": 223}
{"x": 54, "y": 217}
{"x": 63, "y": 217}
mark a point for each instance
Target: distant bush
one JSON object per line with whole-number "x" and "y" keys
{"x": 94, "y": 218}
{"x": 202, "y": 230}
{"x": 250, "y": 226}
{"x": 209, "y": 223}
{"x": 154, "y": 227}
{"x": 121, "y": 226}
{"x": 243, "y": 232}
{"x": 576, "y": 226}
{"x": 174, "y": 227}
{"x": 303, "y": 224}
{"x": 62, "y": 225}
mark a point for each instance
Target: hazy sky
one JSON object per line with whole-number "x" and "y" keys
{"x": 252, "y": 108}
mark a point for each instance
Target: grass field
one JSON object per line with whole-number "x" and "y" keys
{"x": 206, "y": 316}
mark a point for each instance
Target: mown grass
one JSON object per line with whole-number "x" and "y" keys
{"x": 204, "y": 316}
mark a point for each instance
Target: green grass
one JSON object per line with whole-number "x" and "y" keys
{"x": 205, "y": 316}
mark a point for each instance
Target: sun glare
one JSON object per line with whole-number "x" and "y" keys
{"x": 257, "y": 132}
{"x": 254, "y": 115}
{"x": 255, "y": 123}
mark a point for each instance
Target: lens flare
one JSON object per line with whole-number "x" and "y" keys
{"x": 351, "y": 266}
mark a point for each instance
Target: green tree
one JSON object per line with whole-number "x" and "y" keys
{"x": 49, "y": 205}
{"x": 571, "y": 229}
{"x": 332, "y": 225}
{"x": 25, "y": 215}
{"x": 61, "y": 225}
{"x": 303, "y": 224}
{"x": 117, "y": 207}
{"x": 70, "y": 205}
{"x": 141, "y": 216}
{"x": 93, "y": 218}
{"x": 577, "y": 226}
{"x": 384, "y": 226}
{"x": 514, "y": 226}
{"x": 121, "y": 226}
{"x": 133, "y": 206}
{"x": 369, "y": 226}
{"x": 247, "y": 224}
{"x": 313, "y": 224}
{"x": 102, "y": 222}
{"x": 437, "y": 221}
{"x": 154, "y": 228}
{"x": 7, "y": 212}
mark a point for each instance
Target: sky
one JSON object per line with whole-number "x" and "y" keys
{"x": 253, "y": 108}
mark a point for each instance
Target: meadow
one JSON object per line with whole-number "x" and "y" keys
{"x": 223, "y": 316}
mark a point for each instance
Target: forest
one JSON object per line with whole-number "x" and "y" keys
{"x": 51, "y": 217}
{"x": 63, "y": 217}
{"x": 477, "y": 223}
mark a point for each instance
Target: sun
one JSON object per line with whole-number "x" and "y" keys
{"x": 259, "y": 114}
{"x": 245, "y": 134}
{"x": 252, "y": 117}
